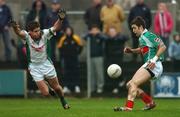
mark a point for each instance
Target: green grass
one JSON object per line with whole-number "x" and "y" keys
{"x": 95, "y": 107}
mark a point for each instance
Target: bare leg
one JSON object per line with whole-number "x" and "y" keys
{"x": 140, "y": 77}
{"x": 43, "y": 88}
{"x": 56, "y": 86}
{"x": 58, "y": 89}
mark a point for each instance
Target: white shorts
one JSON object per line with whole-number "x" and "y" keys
{"x": 157, "y": 70}
{"x": 39, "y": 71}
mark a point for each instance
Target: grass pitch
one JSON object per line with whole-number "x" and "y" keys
{"x": 94, "y": 107}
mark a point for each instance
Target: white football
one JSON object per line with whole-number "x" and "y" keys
{"x": 114, "y": 71}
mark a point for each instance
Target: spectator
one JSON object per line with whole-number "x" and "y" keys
{"x": 70, "y": 46}
{"x": 97, "y": 62}
{"x": 140, "y": 9}
{"x": 174, "y": 51}
{"x": 52, "y": 17}
{"x": 112, "y": 15}
{"x": 126, "y": 4}
{"x": 92, "y": 15}
{"x": 163, "y": 24}
{"x": 5, "y": 16}
{"x": 38, "y": 13}
{"x": 114, "y": 46}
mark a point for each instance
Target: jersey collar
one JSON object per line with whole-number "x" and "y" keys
{"x": 145, "y": 30}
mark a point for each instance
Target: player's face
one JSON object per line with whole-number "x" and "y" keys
{"x": 136, "y": 30}
{"x": 36, "y": 33}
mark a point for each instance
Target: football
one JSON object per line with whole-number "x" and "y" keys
{"x": 114, "y": 71}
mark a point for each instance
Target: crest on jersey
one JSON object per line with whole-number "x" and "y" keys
{"x": 157, "y": 40}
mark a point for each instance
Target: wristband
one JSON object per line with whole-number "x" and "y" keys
{"x": 154, "y": 59}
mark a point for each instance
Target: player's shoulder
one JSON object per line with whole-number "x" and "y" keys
{"x": 150, "y": 35}
{"x": 47, "y": 31}
{"x": 26, "y": 33}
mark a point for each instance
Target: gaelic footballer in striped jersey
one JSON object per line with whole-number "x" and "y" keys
{"x": 37, "y": 47}
{"x": 152, "y": 49}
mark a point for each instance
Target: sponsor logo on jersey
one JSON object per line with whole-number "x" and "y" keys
{"x": 39, "y": 49}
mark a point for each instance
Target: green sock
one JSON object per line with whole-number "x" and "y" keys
{"x": 63, "y": 101}
{"x": 51, "y": 92}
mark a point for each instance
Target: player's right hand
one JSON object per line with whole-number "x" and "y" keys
{"x": 127, "y": 50}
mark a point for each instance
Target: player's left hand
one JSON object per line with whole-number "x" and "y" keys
{"x": 13, "y": 23}
{"x": 151, "y": 65}
{"x": 62, "y": 14}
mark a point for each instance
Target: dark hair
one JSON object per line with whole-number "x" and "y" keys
{"x": 94, "y": 26}
{"x": 34, "y": 4}
{"x": 138, "y": 21}
{"x": 32, "y": 25}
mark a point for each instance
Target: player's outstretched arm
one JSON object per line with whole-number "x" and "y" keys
{"x": 130, "y": 50}
{"x": 58, "y": 23}
{"x": 17, "y": 29}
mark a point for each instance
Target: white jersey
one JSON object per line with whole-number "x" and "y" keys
{"x": 38, "y": 51}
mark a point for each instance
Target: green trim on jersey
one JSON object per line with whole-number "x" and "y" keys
{"x": 48, "y": 49}
{"x": 50, "y": 31}
{"x": 28, "y": 51}
{"x": 150, "y": 42}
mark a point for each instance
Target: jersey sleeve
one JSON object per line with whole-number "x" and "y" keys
{"x": 26, "y": 37}
{"x": 156, "y": 41}
{"x": 48, "y": 33}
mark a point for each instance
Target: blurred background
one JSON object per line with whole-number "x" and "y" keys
{"x": 103, "y": 34}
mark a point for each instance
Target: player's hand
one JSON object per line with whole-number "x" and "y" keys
{"x": 151, "y": 62}
{"x": 127, "y": 50}
{"x": 151, "y": 65}
{"x": 62, "y": 14}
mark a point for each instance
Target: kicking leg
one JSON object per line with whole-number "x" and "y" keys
{"x": 140, "y": 77}
{"x": 53, "y": 82}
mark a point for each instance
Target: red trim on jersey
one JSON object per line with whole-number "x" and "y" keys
{"x": 39, "y": 49}
{"x": 144, "y": 50}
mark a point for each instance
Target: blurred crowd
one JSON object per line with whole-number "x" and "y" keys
{"x": 104, "y": 36}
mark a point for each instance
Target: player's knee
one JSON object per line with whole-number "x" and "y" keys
{"x": 130, "y": 84}
{"x": 57, "y": 88}
{"x": 45, "y": 93}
